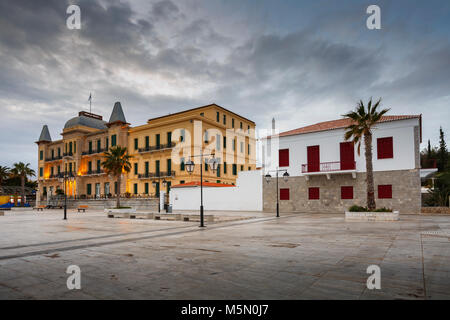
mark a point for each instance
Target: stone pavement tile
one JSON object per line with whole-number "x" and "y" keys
{"x": 312, "y": 269}
{"x": 7, "y": 273}
{"x": 107, "y": 288}
{"x": 23, "y": 281}
{"x": 396, "y": 292}
{"x": 437, "y": 287}
{"x": 334, "y": 289}
{"x": 376, "y": 295}
{"x": 7, "y": 293}
{"x": 48, "y": 290}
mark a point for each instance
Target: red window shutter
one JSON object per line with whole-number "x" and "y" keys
{"x": 283, "y": 158}
{"x": 284, "y": 194}
{"x": 347, "y": 192}
{"x": 385, "y": 148}
{"x": 385, "y": 191}
{"x": 314, "y": 193}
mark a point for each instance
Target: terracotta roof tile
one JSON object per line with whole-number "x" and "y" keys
{"x": 205, "y": 184}
{"x": 338, "y": 124}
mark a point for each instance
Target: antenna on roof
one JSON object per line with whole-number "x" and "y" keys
{"x": 90, "y": 102}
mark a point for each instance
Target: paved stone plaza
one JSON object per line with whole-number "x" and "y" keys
{"x": 297, "y": 256}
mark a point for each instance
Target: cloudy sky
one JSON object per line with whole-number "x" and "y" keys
{"x": 298, "y": 61}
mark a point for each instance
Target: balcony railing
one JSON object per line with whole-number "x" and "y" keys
{"x": 157, "y": 147}
{"x": 53, "y": 158}
{"x": 61, "y": 175}
{"x": 68, "y": 154}
{"x": 93, "y": 172}
{"x": 161, "y": 174}
{"x": 101, "y": 150}
{"x": 328, "y": 166}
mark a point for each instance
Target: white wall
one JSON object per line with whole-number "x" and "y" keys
{"x": 402, "y": 132}
{"x": 245, "y": 196}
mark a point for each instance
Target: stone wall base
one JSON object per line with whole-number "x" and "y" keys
{"x": 406, "y": 193}
{"x": 101, "y": 204}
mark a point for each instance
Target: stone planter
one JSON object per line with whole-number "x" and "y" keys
{"x": 116, "y": 211}
{"x": 372, "y": 216}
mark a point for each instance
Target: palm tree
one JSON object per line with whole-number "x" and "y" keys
{"x": 116, "y": 161}
{"x": 361, "y": 128}
{"x": 23, "y": 171}
{"x": 4, "y": 174}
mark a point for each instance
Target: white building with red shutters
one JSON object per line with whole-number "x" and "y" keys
{"x": 328, "y": 175}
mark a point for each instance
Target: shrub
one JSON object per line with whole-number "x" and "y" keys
{"x": 356, "y": 208}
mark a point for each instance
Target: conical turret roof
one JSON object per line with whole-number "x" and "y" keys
{"x": 45, "y": 135}
{"x": 117, "y": 114}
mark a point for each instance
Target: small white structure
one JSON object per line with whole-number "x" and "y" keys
{"x": 245, "y": 196}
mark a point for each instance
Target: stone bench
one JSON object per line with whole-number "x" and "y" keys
{"x": 141, "y": 215}
{"x": 167, "y": 216}
{"x": 118, "y": 215}
{"x": 372, "y": 216}
{"x": 196, "y": 218}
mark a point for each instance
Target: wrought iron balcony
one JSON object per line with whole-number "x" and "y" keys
{"x": 157, "y": 147}
{"x": 94, "y": 172}
{"x": 61, "y": 175}
{"x": 67, "y": 154}
{"x": 151, "y": 175}
{"x": 101, "y": 150}
{"x": 53, "y": 158}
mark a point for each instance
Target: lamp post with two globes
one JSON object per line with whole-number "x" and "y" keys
{"x": 285, "y": 178}
{"x": 190, "y": 165}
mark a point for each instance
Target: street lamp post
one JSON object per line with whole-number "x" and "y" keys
{"x": 159, "y": 191}
{"x": 285, "y": 178}
{"x": 64, "y": 177}
{"x": 190, "y": 165}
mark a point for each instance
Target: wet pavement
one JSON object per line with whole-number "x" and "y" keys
{"x": 246, "y": 255}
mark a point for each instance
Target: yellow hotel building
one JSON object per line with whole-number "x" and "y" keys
{"x": 159, "y": 150}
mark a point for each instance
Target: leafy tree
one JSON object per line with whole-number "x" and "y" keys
{"x": 23, "y": 171}
{"x": 439, "y": 196}
{"x": 117, "y": 161}
{"x": 363, "y": 121}
{"x": 442, "y": 152}
{"x": 4, "y": 174}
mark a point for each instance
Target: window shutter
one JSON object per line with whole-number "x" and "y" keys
{"x": 385, "y": 191}
{"x": 283, "y": 158}
{"x": 385, "y": 148}
{"x": 314, "y": 193}
{"x": 347, "y": 192}
{"x": 284, "y": 194}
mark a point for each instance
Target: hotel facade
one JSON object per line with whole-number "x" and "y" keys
{"x": 159, "y": 149}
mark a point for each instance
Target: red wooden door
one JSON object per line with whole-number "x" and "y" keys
{"x": 313, "y": 154}
{"x": 347, "y": 156}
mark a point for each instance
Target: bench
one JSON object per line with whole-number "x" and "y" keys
{"x": 82, "y": 207}
{"x": 41, "y": 207}
{"x": 196, "y": 218}
{"x": 167, "y": 216}
{"x": 141, "y": 215}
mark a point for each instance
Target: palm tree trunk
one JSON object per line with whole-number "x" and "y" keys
{"x": 118, "y": 191}
{"x": 22, "y": 184}
{"x": 369, "y": 172}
